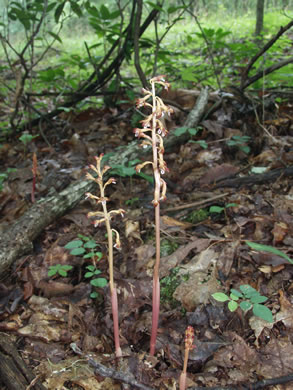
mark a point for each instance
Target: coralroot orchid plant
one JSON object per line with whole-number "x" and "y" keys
{"x": 189, "y": 337}
{"x": 153, "y": 132}
{"x": 106, "y": 216}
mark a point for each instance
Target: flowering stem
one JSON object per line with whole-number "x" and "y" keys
{"x": 154, "y": 125}
{"x": 106, "y": 218}
{"x": 113, "y": 291}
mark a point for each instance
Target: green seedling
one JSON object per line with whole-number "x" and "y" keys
{"x": 26, "y": 138}
{"x": 240, "y": 141}
{"x": 132, "y": 201}
{"x": 86, "y": 247}
{"x": 4, "y": 176}
{"x": 219, "y": 209}
{"x": 168, "y": 286}
{"x": 130, "y": 171}
{"x": 96, "y": 282}
{"x": 191, "y": 132}
{"x": 59, "y": 269}
{"x": 249, "y": 299}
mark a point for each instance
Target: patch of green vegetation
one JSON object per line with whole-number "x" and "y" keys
{"x": 197, "y": 216}
{"x": 168, "y": 247}
{"x": 249, "y": 299}
{"x": 168, "y": 286}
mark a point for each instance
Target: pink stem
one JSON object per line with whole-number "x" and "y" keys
{"x": 182, "y": 381}
{"x": 114, "y": 302}
{"x": 155, "y": 317}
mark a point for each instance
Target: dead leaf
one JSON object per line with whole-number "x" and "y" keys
{"x": 218, "y": 172}
{"x": 198, "y": 289}
{"x": 132, "y": 230}
{"x": 279, "y": 231}
{"x": 286, "y": 312}
{"x": 169, "y": 223}
{"x": 171, "y": 261}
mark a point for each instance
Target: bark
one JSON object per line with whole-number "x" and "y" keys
{"x": 18, "y": 239}
{"x": 259, "y": 16}
{"x": 14, "y": 373}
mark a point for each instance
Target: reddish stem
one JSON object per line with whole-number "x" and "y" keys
{"x": 114, "y": 302}
{"x": 156, "y": 285}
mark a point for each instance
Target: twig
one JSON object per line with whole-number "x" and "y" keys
{"x": 252, "y": 386}
{"x": 138, "y": 68}
{"x": 266, "y": 71}
{"x": 244, "y": 81}
{"x": 199, "y": 203}
{"x": 117, "y": 375}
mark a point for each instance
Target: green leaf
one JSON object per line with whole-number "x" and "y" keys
{"x": 234, "y": 297}
{"x": 77, "y": 251}
{"x": 216, "y": 209}
{"x": 59, "y": 11}
{"x": 180, "y": 130}
{"x": 99, "y": 255}
{"x": 55, "y": 36}
{"x": 263, "y": 312}
{"x": 202, "y": 143}
{"x": 237, "y": 293}
{"x": 220, "y": 297}
{"x": 99, "y": 282}
{"x": 155, "y": 6}
{"x": 52, "y": 271}
{"x": 268, "y": 248}
{"x": 62, "y": 272}
{"x": 245, "y": 305}
{"x": 76, "y": 8}
{"x": 192, "y": 131}
{"x": 91, "y": 268}
{"x": 258, "y": 299}
{"x": 248, "y": 291}
{"x": 94, "y": 295}
{"x": 88, "y": 275}
{"x": 89, "y": 255}
{"x": 232, "y": 306}
{"x": 231, "y": 205}
{"x": 73, "y": 244}
{"x": 67, "y": 267}
{"x": 90, "y": 244}
{"x": 105, "y": 14}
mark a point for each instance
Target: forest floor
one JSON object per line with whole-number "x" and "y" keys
{"x": 215, "y": 204}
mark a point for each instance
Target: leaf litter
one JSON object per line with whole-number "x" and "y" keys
{"x": 210, "y": 253}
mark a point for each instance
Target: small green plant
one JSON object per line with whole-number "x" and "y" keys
{"x": 4, "y": 176}
{"x": 168, "y": 286}
{"x": 26, "y": 138}
{"x": 130, "y": 171}
{"x": 132, "y": 201}
{"x": 191, "y": 132}
{"x": 249, "y": 299}
{"x": 92, "y": 271}
{"x": 219, "y": 209}
{"x": 86, "y": 247}
{"x": 240, "y": 141}
{"x": 59, "y": 269}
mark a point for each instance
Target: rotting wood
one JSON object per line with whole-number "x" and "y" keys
{"x": 14, "y": 373}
